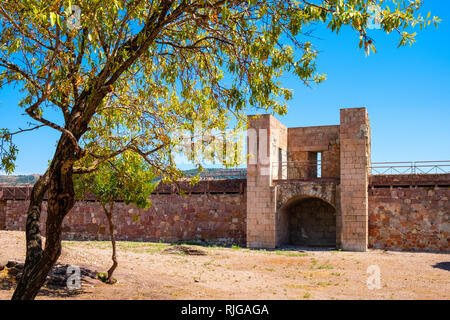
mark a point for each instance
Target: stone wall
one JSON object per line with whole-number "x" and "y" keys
{"x": 303, "y": 145}
{"x": 405, "y": 213}
{"x": 210, "y": 217}
{"x": 410, "y": 212}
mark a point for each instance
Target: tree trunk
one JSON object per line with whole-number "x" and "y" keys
{"x": 113, "y": 241}
{"x": 61, "y": 198}
{"x": 33, "y": 233}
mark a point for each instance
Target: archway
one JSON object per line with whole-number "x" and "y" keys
{"x": 307, "y": 221}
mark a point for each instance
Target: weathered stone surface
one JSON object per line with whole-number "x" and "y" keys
{"x": 355, "y": 163}
{"x": 414, "y": 180}
{"x": 291, "y": 190}
{"x": 303, "y": 145}
{"x": 172, "y": 218}
{"x": 267, "y": 141}
{"x": 416, "y": 219}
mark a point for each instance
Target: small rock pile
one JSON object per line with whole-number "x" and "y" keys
{"x": 56, "y": 278}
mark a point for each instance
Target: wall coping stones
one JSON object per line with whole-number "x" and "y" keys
{"x": 208, "y": 186}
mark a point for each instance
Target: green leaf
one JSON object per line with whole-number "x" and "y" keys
{"x": 52, "y": 18}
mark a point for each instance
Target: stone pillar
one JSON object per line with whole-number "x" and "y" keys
{"x": 355, "y": 163}
{"x": 266, "y": 141}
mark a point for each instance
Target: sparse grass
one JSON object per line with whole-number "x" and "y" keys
{"x": 154, "y": 250}
{"x": 143, "y": 245}
{"x": 129, "y": 244}
{"x": 313, "y": 263}
{"x": 325, "y": 266}
{"x": 291, "y": 253}
{"x": 324, "y": 284}
{"x": 307, "y": 295}
{"x": 296, "y": 286}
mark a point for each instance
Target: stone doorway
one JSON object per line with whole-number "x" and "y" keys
{"x": 308, "y": 221}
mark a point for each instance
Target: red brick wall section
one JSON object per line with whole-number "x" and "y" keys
{"x": 414, "y": 219}
{"x": 210, "y": 218}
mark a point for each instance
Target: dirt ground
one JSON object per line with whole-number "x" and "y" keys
{"x": 151, "y": 271}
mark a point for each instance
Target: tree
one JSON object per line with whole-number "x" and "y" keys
{"x": 125, "y": 73}
{"x": 125, "y": 178}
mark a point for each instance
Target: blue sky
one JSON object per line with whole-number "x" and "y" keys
{"x": 405, "y": 90}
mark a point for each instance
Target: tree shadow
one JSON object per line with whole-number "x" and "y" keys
{"x": 184, "y": 250}
{"x": 442, "y": 265}
{"x": 56, "y": 284}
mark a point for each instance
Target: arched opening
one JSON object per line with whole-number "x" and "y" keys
{"x": 307, "y": 221}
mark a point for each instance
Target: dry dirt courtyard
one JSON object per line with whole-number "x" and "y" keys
{"x": 162, "y": 271}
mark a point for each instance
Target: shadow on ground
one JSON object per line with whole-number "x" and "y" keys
{"x": 286, "y": 247}
{"x": 56, "y": 284}
{"x": 442, "y": 265}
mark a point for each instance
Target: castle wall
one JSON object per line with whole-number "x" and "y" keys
{"x": 410, "y": 212}
{"x": 409, "y": 219}
{"x": 213, "y": 216}
{"x": 405, "y": 213}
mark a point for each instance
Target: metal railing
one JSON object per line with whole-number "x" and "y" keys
{"x": 283, "y": 170}
{"x": 416, "y": 167}
{"x": 312, "y": 169}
